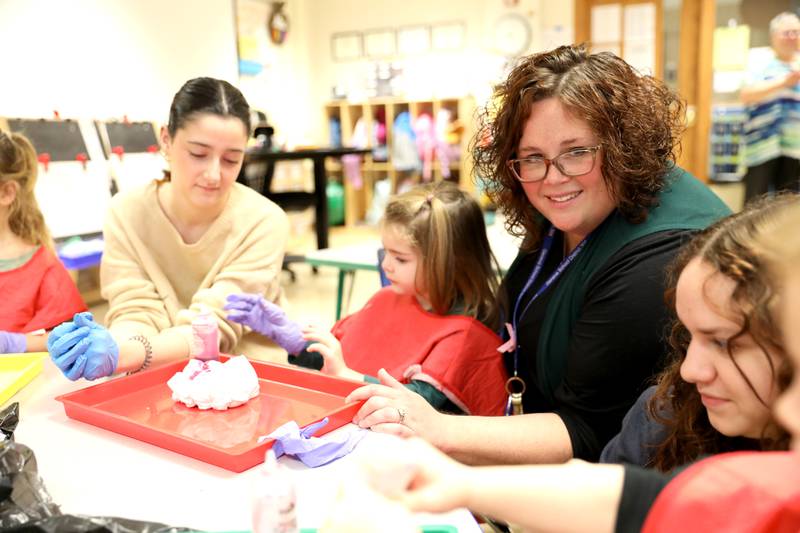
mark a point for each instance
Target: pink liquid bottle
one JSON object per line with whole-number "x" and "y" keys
{"x": 205, "y": 336}
{"x": 274, "y": 498}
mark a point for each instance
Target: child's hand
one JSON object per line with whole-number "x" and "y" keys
{"x": 330, "y": 349}
{"x": 418, "y": 475}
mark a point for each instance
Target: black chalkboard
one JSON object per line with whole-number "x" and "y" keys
{"x": 133, "y": 137}
{"x": 62, "y": 139}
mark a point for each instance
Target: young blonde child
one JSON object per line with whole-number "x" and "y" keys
{"x": 36, "y": 289}
{"x": 433, "y": 328}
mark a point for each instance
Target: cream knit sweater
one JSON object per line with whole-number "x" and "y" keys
{"x": 154, "y": 281}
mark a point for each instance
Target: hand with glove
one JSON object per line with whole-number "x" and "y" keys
{"x": 83, "y": 349}
{"x": 12, "y": 342}
{"x": 263, "y": 316}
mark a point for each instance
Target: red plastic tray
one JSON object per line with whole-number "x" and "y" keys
{"x": 141, "y": 406}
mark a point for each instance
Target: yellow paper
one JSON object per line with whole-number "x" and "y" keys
{"x": 248, "y": 48}
{"x": 16, "y": 370}
{"x": 730, "y": 47}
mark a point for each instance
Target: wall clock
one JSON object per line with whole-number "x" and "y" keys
{"x": 278, "y": 24}
{"x": 512, "y": 34}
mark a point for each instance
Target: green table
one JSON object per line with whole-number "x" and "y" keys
{"x": 348, "y": 259}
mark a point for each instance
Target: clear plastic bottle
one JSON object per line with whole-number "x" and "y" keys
{"x": 274, "y": 498}
{"x": 205, "y": 336}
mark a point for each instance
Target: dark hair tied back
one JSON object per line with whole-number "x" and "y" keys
{"x": 207, "y": 95}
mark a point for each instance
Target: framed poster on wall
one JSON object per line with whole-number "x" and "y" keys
{"x": 412, "y": 40}
{"x": 447, "y": 36}
{"x": 346, "y": 46}
{"x": 379, "y": 43}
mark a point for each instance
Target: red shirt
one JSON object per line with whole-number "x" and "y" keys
{"x": 456, "y": 354}
{"x": 757, "y": 492}
{"x": 37, "y": 295}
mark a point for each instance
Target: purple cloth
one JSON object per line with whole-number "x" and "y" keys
{"x": 313, "y": 451}
{"x": 12, "y": 342}
{"x": 263, "y": 316}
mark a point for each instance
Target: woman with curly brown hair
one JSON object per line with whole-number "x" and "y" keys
{"x": 578, "y": 152}
{"x": 728, "y": 361}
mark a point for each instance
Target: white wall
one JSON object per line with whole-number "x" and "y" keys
{"x": 106, "y": 58}
{"x": 283, "y": 89}
{"x": 472, "y": 70}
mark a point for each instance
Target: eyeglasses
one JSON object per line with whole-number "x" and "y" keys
{"x": 572, "y": 163}
{"x": 789, "y": 34}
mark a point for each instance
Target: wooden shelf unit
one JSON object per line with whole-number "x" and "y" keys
{"x": 357, "y": 202}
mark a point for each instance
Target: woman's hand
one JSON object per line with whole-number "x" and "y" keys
{"x": 82, "y": 348}
{"x": 329, "y": 347}
{"x": 263, "y": 316}
{"x": 392, "y": 408}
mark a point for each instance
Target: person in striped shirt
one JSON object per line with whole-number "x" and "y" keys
{"x": 772, "y": 95}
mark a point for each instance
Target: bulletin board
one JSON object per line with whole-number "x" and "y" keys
{"x": 139, "y": 162}
{"x": 72, "y": 192}
{"x": 62, "y": 139}
{"x": 133, "y": 137}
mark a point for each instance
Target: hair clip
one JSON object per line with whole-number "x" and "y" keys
{"x": 429, "y": 199}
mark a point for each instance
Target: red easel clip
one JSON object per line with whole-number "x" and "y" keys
{"x": 83, "y": 158}
{"x": 44, "y": 159}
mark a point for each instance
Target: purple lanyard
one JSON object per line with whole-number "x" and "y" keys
{"x": 547, "y": 244}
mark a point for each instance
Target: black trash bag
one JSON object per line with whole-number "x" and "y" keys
{"x": 26, "y": 506}
{"x": 92, "y": 524}
{"x": 9, "y": 418}
{"x": 23, "y": 497}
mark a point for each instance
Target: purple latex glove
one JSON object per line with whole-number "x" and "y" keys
{"x": 12, "y": 342}
{"x": 83, "y": 349}
{"x": 313, "y": 451}
{"x": 263, "y": 316}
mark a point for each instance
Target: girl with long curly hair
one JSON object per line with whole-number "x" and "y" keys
{"x": 578, "y": 151}
{"x": 728, "y": 362}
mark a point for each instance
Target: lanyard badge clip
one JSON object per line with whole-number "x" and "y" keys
{"x": 515, "y": 387}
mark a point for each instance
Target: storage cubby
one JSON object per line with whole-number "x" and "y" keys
{"x": 342, "y": 117}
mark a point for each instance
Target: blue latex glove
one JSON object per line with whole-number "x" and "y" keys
{"x": 12, "y": 342}
{"x": 313, "y": 451}
{"x": 83, "y": 349}
{"x": 63, "y": 339}
{"x": 263, "y": 316}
